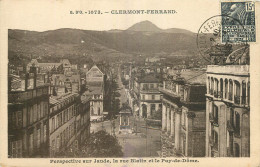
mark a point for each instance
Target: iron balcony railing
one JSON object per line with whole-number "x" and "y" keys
{"x": 220, "y": 94}
{"x": 215, "y": 94}
{"x": 211, "y": 91}
{"x": 237, "y": 99}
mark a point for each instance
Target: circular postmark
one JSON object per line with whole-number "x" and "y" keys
{"x": 217, "y": 40}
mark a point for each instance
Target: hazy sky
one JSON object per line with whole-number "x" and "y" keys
{"x": 44, "y": 15}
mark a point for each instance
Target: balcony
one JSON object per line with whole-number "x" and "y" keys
{"x": 215, "y": 94}
{"x": 211, "y": 91}
{"x": 230, "y": 96}
{"x": 230, "y": 126}
{"x": 237, "y": 99}
{"x": 168, "y": 92}
{"x": 150, "y": 90}
{"x": 237, "y": 133}
{"x": 244, "y": 99}
{"x": 229, "y": 69}
{"x": 220, "y": 94}
{"x": 213, "y": 120}
{"x": 226, "y": 95}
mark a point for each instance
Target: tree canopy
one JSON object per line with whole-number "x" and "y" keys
{"x": 102, "y": 144}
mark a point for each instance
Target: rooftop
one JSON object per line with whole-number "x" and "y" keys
{"x": 148, "y": 79}
{"x": 229, "y": 69}
{"x": 94, "y": 91}
{"x": 191, "y": 76}
{"x": 56, "y": 99}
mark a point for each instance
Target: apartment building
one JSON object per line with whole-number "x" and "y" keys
{"x": 69, "y": 122}
{"x": 183, "y": 114}
{"x": 28, "y": 113}
{"x": 228, "y": 105}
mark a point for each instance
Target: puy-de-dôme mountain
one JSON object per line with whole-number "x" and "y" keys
{"x": 141, "y": 38}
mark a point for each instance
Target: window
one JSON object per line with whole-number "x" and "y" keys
{"x": 66, "y": 115}
{"x": 31, "y": 115}
{"x": 53, "y": 147}
{"x": 42, "y": 110}
{"x": 38, "y": 111}
{"x": 99, "y": 111}
{"x": 31, "y": 143}
{"x": 34, "y": 112}
{"x": 45, "y": 108}
{"x": 153, "y": 97}
{"x": 243, "y": 92}
{"x": 237, "y": 92}
{"x": 230, "y": 97}
{"x": 17, "y": 119}
{"x": 237, "y": 150}
{"x": 237, "y": 123}
{"x": 182, "y": 119}
{"x": 70, "y": 132}
{"x": 64, "y": 137}
{"x": 145, "y": 87}
{"x": 52, "y": 125}
{"x": 56, "y": 121}
{"x": 215, "y": 114}
{"x": 221, "y": 88}
{"x": 215, "y": 139}
{"x": 151, "y": 86}
{"x": 58, "y": 143}
{"x": 38, "y": 138}
{"x": 226, "y": 88}
{"x": 61, "y": 139}
{"x": 160, "y": 106}
{"x": 16, "y": 147}
{"x": 44, "y": 133}
{"x": 92, "y": 111}
{"x": 152, "y": 109}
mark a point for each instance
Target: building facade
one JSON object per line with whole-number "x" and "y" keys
{"x": 95, "y": 90}
{"x": 69, "y": 123}
{"x": 28, "y": 113}
{"x": 147, "y": 95}
{"x": 183, "y": 118}
{"x": 228, "y": 106}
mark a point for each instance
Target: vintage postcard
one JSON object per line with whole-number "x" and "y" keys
{"x": 129, "y": 83}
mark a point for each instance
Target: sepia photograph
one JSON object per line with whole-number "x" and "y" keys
{"x": 149, "y": 87}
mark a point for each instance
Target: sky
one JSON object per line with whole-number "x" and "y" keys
{"x": 42, "y": 15}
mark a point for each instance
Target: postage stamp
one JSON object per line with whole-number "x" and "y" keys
{"x": 209, "y": 39}
{"x": 240, "y": 25}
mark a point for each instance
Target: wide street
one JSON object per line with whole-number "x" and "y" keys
{"x": 144, "y": 143}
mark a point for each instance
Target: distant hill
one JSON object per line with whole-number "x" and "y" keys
{"x": 142, "y": 38}
{"x": 144, "y": 26}
{"x": 147, "y": 26}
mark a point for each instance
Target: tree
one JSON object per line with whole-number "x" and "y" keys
{"x": 102, "y": 144}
